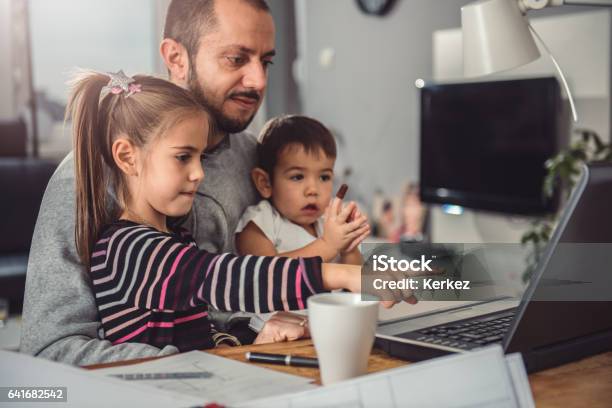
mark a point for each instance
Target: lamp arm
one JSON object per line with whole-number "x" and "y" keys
{"x": 526, "y": 5}
{"x": 558, "y": 67}
{"x": 596, "y": 3}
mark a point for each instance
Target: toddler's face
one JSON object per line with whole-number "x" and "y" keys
{"x": 302, "y": 184}
{"x": 173, "y": 168}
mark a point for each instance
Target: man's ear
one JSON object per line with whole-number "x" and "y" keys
{"x": 177, "y": 61}
{"x": 262, "y": 182}
{"x": 124, "y": 155}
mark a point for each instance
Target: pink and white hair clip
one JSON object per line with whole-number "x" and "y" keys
{"x": 120, "y": 83}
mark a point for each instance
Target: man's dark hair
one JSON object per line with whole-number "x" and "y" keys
{"x": 188, "y": 20}
{"x": 284, "y": 131}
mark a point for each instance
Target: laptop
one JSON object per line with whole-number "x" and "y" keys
{"x": 566, "y": 311}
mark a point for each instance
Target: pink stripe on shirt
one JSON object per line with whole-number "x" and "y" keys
{"x": 160, "y": 324}
{"x": 298, "y": 287}
{"x": 126, "y": 324}
{"x": 162, "y": 299}
{"x": 158, "y": 275}
{"x": 145, "y": 280}
{"x": 131, "y": 335}
{"x": 303, "y": 267}
{"x": 190, "y": 318}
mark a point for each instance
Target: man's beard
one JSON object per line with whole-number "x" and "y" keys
{"x": 223, "y": 122}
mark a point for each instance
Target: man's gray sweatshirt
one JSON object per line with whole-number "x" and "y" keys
{"x": 60, "y": 317}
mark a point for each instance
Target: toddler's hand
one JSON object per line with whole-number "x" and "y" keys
{"x": 355, "y": 215}
{"x": 283, "y": 326}
{"x": 338, "y": 232}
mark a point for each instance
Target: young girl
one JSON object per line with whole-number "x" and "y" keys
{"x": 142, "y": 138}
{"x": 295, "y": 177}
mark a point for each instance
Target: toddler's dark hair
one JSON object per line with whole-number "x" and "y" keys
{"x": 283, "y": 131}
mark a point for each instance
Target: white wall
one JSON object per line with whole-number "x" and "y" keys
{"x": 159, "y": 18}
{"x": 7, "y": 104}
{"x": 366, "y": 92}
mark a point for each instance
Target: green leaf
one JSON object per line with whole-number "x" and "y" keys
{"x": 579, "y": 155}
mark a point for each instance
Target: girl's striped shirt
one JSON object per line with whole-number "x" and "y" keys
{"x": 154, "y": 287}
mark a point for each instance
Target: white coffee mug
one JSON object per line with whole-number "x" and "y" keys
{"x": 342, "y": 327}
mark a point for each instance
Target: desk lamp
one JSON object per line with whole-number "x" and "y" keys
{"x": 497, "y": 36}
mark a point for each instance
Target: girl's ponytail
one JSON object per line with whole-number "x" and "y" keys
{"x": 88, "y": 130}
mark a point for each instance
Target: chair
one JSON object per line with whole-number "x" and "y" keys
{"x": 13, "y": 138}
{"x": 22, "y": 185}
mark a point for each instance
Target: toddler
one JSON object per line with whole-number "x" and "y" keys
{"x": 295, "y": 177}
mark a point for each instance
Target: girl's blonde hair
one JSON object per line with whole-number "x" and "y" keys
{"x": 98, "y": 118}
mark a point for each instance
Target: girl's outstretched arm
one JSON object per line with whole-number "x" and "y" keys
{"x": 140, "y": 267}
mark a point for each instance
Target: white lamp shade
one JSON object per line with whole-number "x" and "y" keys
{"x": 496, "y": 37}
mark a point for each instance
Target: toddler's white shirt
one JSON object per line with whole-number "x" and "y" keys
{"x": 284, "y": 234}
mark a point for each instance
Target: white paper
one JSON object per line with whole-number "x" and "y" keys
{"x": 481, "y": 378}
{"x": 84, "y": 388}
{"x": 230, "y": 381}
{"x": 520, "y": 380}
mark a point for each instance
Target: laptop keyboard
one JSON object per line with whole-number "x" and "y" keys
{"x": 466, "y": 334}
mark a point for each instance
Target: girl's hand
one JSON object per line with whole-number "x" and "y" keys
{"x": 338, "y": 232}
{"x": 339, "y": 276}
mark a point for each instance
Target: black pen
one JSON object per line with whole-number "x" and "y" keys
{"x": 284, "y": 359}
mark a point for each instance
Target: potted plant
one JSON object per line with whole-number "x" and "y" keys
{"x": 562, "y": 171}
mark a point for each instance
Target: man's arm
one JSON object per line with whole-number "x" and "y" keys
{"x": 60, "y": 317}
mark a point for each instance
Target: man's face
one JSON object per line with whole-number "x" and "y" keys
{"x": 229, "y": 72}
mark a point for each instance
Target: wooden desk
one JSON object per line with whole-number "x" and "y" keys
{"x": 584, "y": 383}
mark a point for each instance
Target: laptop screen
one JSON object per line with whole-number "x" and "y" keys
{"x": 570, "y": 296}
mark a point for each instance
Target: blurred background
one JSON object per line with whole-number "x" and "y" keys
{"x": 353, "y": 71}
{"x": 360, "y": 74}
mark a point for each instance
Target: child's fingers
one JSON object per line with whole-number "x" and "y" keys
{"x": 354, "y": 214}
{"x": 335, "y": 207}
{"x": 352, "y": 231}
{"x": 358, "y": 240}
{"x": 327, "y": 211}
{"x": 402, "y": 294}
{"x": 358, "y": 232}
{"x": 387, "y": 304}
{"x": 346, "y": 212}
{"x": 358, "y": 222}
{"x": 361, "y": 215}
{"x": 412, "y": 300}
